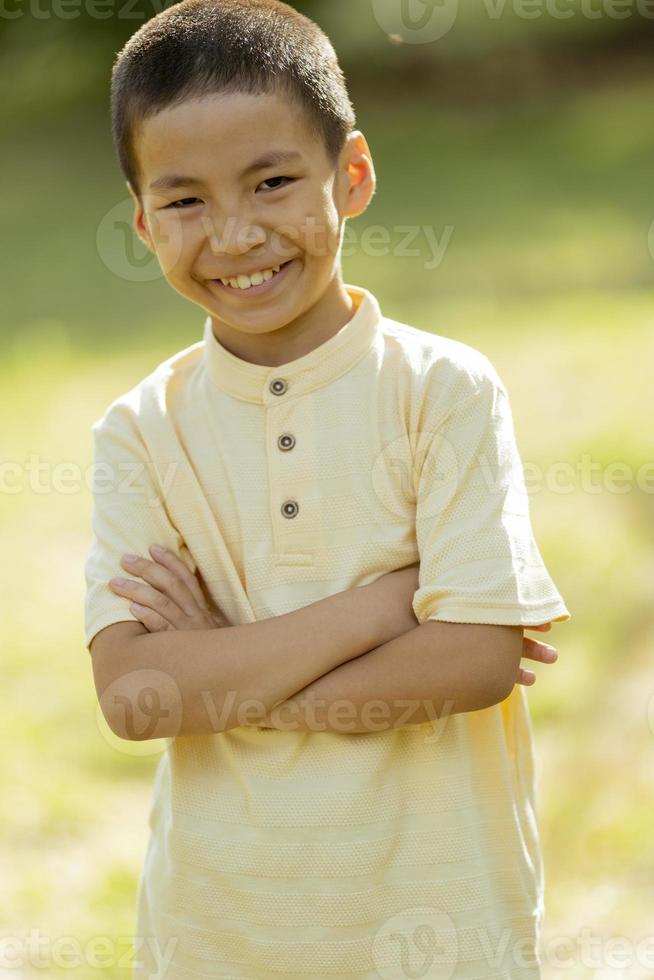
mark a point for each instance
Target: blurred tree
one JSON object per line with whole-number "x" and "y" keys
{"x": 57, "y": 55}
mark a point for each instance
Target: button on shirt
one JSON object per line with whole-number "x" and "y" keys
{"x": 306, "y": 854}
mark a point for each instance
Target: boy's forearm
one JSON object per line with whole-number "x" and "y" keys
{"x": 206, "y": 681}
{"x": 433, "y": 671}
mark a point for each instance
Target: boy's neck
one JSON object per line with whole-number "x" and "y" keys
{"x": 320, "y": 322}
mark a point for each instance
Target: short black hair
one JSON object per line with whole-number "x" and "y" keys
{"x": 201, "y": 47}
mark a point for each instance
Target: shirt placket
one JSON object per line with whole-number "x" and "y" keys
{"x": 293, "y": 512}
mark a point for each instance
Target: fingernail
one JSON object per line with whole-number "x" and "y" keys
{"x": 157, "y": 550}
{"x": 119, "y": 581}
{"x": 130, "y": 558}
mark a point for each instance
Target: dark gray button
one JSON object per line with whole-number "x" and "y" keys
{"x": 290, "y": 508}
{"x": 278, "y": 386}
{"x": 286, "y": 442}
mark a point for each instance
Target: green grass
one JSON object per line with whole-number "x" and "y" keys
{"x": 549, "y": 274}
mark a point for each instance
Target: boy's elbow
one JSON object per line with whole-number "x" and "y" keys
{"x": 135, "y": 711}
{"x": 111, "y": 716}
{"x": 138, "y": 704}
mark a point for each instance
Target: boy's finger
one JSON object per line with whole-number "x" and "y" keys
{"x": 526, "y": 677}
{"x": 152, "y": 620}
{"x": 163, "y": 580}
{"x": 175, "y": 564}
{"x": 145, "y": 595}
{"x": 543, "y": 628}
{"x": 535, "y": 650}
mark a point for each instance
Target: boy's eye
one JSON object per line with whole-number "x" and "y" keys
{"x": 269, "y": 179}
{"x": 176, "y": 203}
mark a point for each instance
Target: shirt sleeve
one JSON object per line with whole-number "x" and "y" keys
{"x": 129, "y": 515}
{"x": 479, "y": 562}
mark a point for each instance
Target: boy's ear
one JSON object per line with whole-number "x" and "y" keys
{"x": 361, "y": 175}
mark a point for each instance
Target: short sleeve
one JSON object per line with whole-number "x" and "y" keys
{"x": 479, "y": 562}
{"x": 129, "y": 515}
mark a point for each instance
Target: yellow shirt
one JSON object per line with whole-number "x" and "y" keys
{"x": 310, "y": 855}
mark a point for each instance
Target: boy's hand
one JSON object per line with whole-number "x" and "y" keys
{"x": 535, "y": 650}
{"x": 170, "y": 596}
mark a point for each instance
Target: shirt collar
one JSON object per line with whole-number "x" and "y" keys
{"x": 325, "y": 363}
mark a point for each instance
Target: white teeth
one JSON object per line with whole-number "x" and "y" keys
{"x": 244, "y": 282}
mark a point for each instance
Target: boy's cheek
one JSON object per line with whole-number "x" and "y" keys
{"x": 171, "y": 242}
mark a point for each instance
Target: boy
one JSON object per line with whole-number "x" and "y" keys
{"x": 296, "y": 465}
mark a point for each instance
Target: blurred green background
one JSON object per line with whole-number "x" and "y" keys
{"x": 525, "y": 144}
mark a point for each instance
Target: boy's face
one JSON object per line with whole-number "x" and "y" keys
{"x": 232, "y": 222}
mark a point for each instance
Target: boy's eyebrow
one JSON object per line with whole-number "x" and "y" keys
{"x": 269, "y": 159}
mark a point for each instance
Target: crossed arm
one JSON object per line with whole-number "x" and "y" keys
{"x": 431, "y": 671}
{"x": 396, "y": 674}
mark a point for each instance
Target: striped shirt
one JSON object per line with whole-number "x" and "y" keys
{"x": 315, "y": 855}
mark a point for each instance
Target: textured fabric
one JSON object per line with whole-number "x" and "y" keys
{"x": 315, "y": 855}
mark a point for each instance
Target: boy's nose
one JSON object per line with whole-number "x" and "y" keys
{"x": 234, "y": 237}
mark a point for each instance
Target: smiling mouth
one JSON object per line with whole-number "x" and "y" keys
{"x": 274, "y": 269}
{"x": 254, "y": 289}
